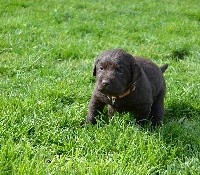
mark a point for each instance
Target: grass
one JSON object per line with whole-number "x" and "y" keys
{"x": 47, "y": 50}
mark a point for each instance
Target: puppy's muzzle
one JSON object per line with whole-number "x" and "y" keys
{"x": 105, "y": 83}
{"x": 104, "y": 86}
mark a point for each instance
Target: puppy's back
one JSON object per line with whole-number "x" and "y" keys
{"x": 153, "y": 73}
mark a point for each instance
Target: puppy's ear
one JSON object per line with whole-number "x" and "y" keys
{"x": 95, "y": 65}
{"x": 136, "y": 72}
{"x": 94, "y": 71}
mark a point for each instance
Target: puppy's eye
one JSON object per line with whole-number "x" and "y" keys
{"x": 101, "y": 68}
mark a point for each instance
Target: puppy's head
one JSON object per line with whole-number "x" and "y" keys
{"x": 115, "y": 72}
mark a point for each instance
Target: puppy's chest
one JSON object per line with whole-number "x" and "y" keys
{"x": 121, "y": 103}
{"x": 128, "y": 102}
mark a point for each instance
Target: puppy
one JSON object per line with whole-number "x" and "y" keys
{"x": 128, "y": 83}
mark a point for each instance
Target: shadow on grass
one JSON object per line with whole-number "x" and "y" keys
{"x": 179, "y": 110}
{"x": 180, "y": 54}
{"x": 180, "y": 130}
{"x": 181, "y": 127}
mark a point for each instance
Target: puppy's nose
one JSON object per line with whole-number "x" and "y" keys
{"x": 105, "y": 82}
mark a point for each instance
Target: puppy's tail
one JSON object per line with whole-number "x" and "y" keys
{"x": 164, "y": 67}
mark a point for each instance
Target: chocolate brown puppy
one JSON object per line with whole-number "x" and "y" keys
{"x": 128, "y": 83}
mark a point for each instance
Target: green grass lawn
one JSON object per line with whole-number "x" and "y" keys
{"x": 47, "y": 51}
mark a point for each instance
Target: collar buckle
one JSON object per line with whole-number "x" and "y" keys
{"x": 113, "y": 100}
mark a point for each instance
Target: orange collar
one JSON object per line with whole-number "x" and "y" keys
{"x": 131, "y": 89}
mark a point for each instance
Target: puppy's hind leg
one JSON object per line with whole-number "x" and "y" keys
{"x": 157, "y": 110}
{"x": 142, "y": 114}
